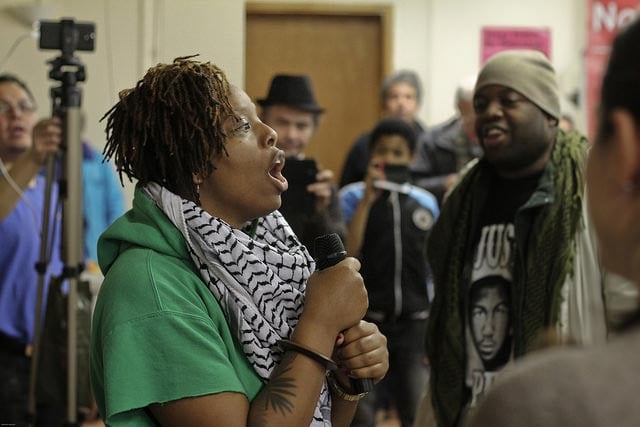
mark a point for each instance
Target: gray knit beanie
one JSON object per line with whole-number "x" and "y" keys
{"x": 528, "y": 72}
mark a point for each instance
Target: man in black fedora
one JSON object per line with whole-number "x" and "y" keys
{"x": 291, "y": 109}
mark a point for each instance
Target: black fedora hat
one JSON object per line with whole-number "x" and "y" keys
{"x": 292, "y": 91}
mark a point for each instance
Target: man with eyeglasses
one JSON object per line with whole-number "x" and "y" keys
{"x": 25, "y": 144}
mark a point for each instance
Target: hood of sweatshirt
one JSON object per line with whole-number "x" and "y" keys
{"x": 145, "y": 226}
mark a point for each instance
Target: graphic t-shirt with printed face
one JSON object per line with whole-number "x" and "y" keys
{"x": 488, "y": 331}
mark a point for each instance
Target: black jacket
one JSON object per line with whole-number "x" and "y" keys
{"x": 394, "y": 265}
{"x": 437, "y": 156}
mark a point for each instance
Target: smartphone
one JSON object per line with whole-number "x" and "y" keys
{"x": 399, "y": 174}
{"x": 297, "y": 201}
{"x": 397, "y": 179}
{"x": 67, "y": 35}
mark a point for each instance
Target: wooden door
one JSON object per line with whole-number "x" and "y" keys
{"x": 344, "y": 49}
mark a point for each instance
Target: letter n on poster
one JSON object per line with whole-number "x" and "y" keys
{"x": 605, "y": 18}
{"x": 497, "y": 39}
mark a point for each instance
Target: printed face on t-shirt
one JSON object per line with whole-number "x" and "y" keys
{"x": 489, "y": 320}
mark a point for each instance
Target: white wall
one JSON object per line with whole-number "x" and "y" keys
{"x": 212, "y": 28}
{"x": 454, "y": 40}
{"x": 439, "y": 39}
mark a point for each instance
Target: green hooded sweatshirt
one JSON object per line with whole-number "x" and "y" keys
{"x": 158, "y": 332}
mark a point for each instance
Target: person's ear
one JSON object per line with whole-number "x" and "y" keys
{"x": 626, "y": 141}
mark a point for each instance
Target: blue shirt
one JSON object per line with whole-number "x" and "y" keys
{"x": 19, "y": 252}
{"x": 351, "y": 195}
{"x": 102, "y": 200}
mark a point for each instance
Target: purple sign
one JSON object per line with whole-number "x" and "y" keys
{"x": 497, "y": 39}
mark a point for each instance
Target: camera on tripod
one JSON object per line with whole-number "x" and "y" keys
{"x": 67, "y": 35}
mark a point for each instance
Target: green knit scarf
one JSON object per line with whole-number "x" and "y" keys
{"x": 540, "y": 267}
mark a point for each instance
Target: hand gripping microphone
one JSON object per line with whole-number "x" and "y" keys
{"x": 329, "y": 251}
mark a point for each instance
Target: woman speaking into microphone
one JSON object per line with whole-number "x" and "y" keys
{"x": 210, "y": 312}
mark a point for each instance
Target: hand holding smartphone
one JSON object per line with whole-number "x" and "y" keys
{"x": 397, "y": 178}
{"x": 397, "y": 173}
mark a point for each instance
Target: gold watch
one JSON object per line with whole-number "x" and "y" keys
{"x": 335, "y": 386}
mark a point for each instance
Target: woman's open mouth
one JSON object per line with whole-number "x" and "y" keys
{"x": 276, "y": 171}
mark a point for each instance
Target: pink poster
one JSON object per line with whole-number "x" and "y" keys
{"x": 497, "y": 39}
{"x": 605, "y": 18}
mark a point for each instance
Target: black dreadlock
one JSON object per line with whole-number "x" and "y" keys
{"x": 170, "y": 126}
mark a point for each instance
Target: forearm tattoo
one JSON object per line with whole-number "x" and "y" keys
{"x": 280, "y": 389}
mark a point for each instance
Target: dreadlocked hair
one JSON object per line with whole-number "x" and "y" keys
{"x": 170, "y": 126}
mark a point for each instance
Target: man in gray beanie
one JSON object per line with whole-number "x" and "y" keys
{"x": 511, "y": 254}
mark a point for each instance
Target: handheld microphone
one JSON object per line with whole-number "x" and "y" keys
{"x": 329, "y": 251}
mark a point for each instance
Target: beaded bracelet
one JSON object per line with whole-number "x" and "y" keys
{"x": 335, "y": 386}
{"x": 310, "y": 353}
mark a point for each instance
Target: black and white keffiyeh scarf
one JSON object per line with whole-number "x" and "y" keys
{"x": 259, "y": 282}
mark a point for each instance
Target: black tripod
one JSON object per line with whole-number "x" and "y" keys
{"x": 66, "y": 103}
